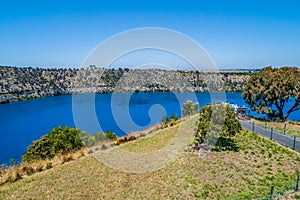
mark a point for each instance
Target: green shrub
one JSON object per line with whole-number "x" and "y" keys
{"x": 217, "y": 125}
{"x": 59, "y": 140}
{"x": 87, "y": 139}
{"x": 49, "y": 165}
{"x": 174, "y": 117}
{"x": 189, "y": 108}
{"x": 110, "y": 135}
{"x": 100, "y": 137}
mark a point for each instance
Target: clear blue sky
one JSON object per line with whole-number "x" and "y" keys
{"x": 236, "y": 34}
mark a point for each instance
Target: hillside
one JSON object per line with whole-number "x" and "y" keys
{"x": 247, "y": 174}
{"x": 25, "y": 83}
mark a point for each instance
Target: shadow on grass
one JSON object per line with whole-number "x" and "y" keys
{"x": 225, "y": 144}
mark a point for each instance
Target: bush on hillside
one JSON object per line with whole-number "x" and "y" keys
{"x": 92, "y": 140}
{"x": 165, "y": 119}
{"x": 174, "y": 117}
{"x": 217, "y": 125}
{"x": 110, "y": 135}
{"x": 59, "y": 140}
{"x": 189, "y": 108}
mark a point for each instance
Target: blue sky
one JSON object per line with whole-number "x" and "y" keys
{"x": 236, "y": 34}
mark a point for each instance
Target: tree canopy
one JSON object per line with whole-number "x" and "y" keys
{"x": 59, "y": 140}
{"x": 269, "y": 90}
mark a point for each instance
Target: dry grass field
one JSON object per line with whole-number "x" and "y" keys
{"x": 246, "y": 174}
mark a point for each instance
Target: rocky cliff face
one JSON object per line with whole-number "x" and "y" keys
{"x": 25, "y": 83}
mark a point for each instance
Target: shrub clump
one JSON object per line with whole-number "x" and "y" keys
{"x": 59, "y": 140}
{"x": 217, "y": 125}
{"x": 189, "y": 108}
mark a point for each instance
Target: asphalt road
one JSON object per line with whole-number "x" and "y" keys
{"x": 284, "y": 139}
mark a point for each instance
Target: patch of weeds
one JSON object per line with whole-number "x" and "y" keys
{"x": 270, "y": 155}
{"x": 49, "y": 165}
{"x": 247, "y": 180}
{"x": 230, "y": 175}
{"x": 270, "y": 178}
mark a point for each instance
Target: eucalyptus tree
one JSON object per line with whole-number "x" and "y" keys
{"x": 269, "y": 91}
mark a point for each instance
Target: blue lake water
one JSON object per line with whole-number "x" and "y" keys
{"x": 23, "y": 122}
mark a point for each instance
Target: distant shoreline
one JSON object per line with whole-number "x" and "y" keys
{"x": 20, "y": 84}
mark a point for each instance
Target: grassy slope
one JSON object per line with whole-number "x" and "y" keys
{"x": 291, "y": 128}
{"x": 246, "y": 174}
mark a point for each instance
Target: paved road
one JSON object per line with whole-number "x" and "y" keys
{"x": 277, "y": 136}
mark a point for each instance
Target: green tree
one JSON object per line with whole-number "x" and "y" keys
{"x": 217, "y": 125}
{"x": 269, "y": 90}
{"x": 110, "y": 135}
{"x": 100, "y": 137}
{"x": 174, "y": 117}
{"x": 189, "y": 108}
{"x": 59, "y": 140}
{"x": 87, "y": 139}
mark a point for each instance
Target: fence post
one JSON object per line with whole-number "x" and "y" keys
{"x": 284, "y": 130}
{"x": 294, "y": 145}
{"x": 265, "y": 125}
{"x": 271, "y": 194}
{"x": 253, "y": 127}
{"x": 297, "y": 183}
{"x": 271, "y": 136}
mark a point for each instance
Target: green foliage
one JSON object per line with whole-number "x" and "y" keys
{"x": 92, "y": 140}
{"x": 49, "y": 165}
{"x": 110, "y": 135}
{"x": 174, "y": 117}
{"x": 217, "y": 125}
{"x": 225, "y": 144}
{"x": 189, "y": 108}
{"x": 171, "y": 120}
{"x": 165, "y": 119}
{"x": 100, "y": 137}
{"x": 59, "y": 140}
{"x": 87, "y": 139}
{"x": 273, "y": 88}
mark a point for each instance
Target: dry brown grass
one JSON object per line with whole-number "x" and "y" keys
{"x": 16, "y": 172}
{"x": 247, "y": 174}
